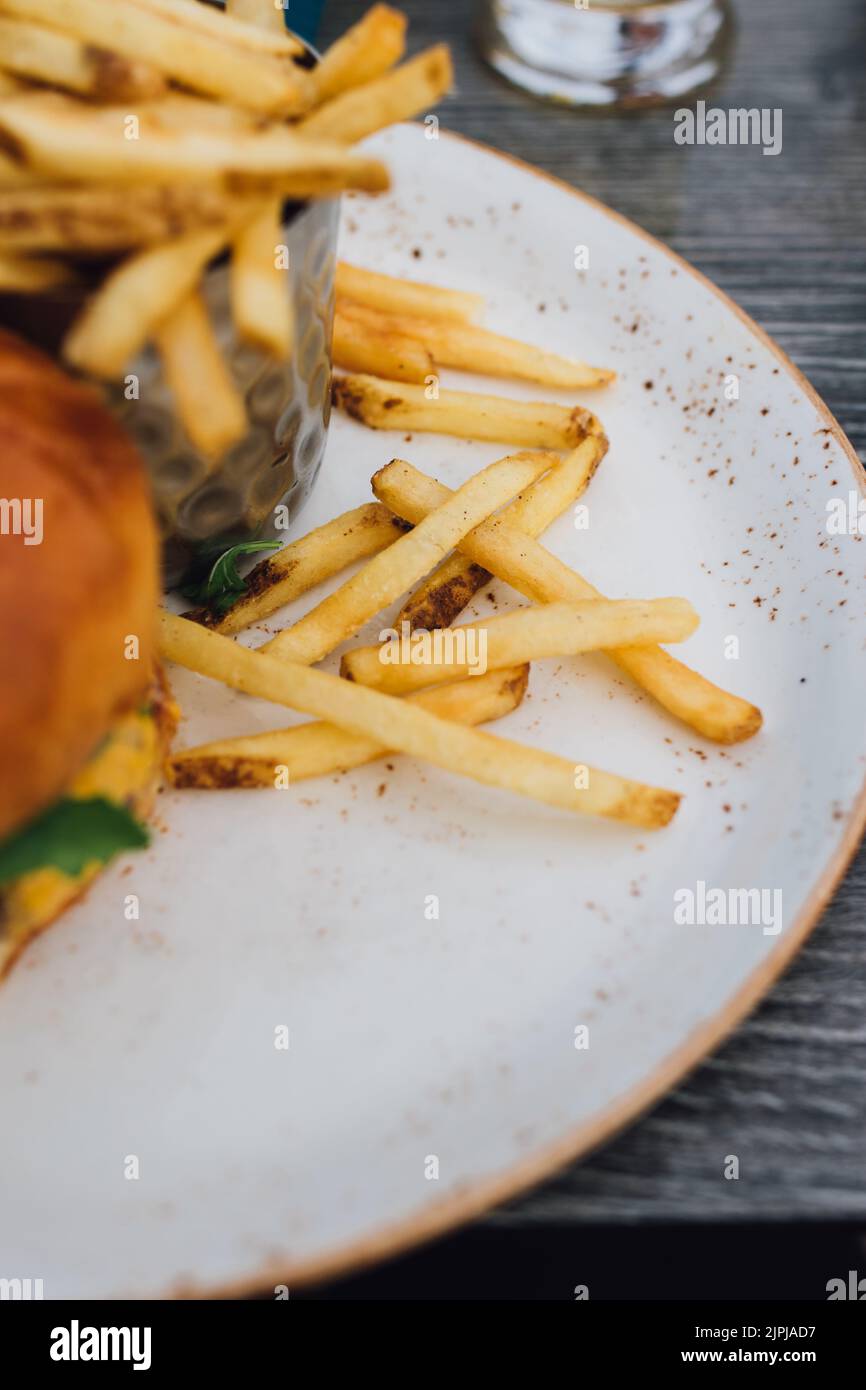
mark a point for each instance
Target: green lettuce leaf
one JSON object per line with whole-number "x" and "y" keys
{"x": 223, "y": 586}
{"x": 70, "y": 835}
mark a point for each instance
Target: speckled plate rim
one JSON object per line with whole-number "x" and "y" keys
{"x": 437, "y": 1218}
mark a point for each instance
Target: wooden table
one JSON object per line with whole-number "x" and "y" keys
{"x": 786, "y": 238}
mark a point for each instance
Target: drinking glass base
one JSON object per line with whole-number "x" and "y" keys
{"x": 625, "y": 56}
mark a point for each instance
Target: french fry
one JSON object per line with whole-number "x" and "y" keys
{"x": 358, "y": 349}
{"x": 11, "y": 86}
{"x": 259, "y": 284}
{"x": 309, "y": 172}
{"x": 445, "y": 593}
{"x": 183, "y": 111}
{"x": 18, "y": 275}
{"x": 514, "y": 556}
{"x": 365, "y": 51}
{"x": 393, "y": 571}
{"x": 392, "y": 295}
{"x": 230, "y": 27}
{"x": 525, "y": 634}
{"x": 31, "y": 51}
{"x": 96, "y": 221}
{"x": 13, "y": 175}
{"x": 181, "y": 43}
{"x": 316, "y": 749}
{"x": 306, "y": 562}
{"x": 405, "y": 727}
{"x": 62, "y": 138}
{"x": 472, "y": 349}
{"x": 207, "y": 400}
{"x": 390, "y": 405}
{"x": 122, "y": 314}
{"x": 265, "y": 13}
{"x": 396, "y": 96}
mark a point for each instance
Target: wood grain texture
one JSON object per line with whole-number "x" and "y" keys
{"x": 786, "y": 238}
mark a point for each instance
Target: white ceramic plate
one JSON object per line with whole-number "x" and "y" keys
{"x": 413, "y": 1039}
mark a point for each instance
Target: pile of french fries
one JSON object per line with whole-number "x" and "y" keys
{"x": 162, "y": 133}
{"x": 394, "y": 335}
{"x": 401, "y": 331}
{"x": 435, "y": 548}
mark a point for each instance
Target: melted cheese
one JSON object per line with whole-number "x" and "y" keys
{"x": 125, "y": 769}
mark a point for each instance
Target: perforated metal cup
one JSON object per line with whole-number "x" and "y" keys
{"x": 259, "y": 484}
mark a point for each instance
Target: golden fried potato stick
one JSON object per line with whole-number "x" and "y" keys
{"x": 16, "y": 176}
{"x": 12, "y": 86}
{"x": 316, "y": 749}
{"x": 393, "y": 571}
{"x": 395, "y": 96}
{"x": 406, "y": 728}
{"x": 360, "y": 349}
{"x": 267, "y": 14}
{"x": 96, "y": 221}
{"x": 471, "y": 349}
{"x": 18, "y": 275}
{"x": 396, "y": 405}
{"x": 58, "y": 137}
{"x": 133, "y": 299}
{"x": 514, "y": 556}
{"x": 392, "y": 295}
{"x": 524, "y": 634}
{"x": 259, "y": 284}
{"x": 230, "y": 27}
{"x": 195, "y": 46}
{"x": 182, "y": 111}
{"x": 306, "y": 562}
{"x": 31, "y": 51}
{"x": 208, "y": 403}
{"x": 441, "y": 597}
{"x": 364, "y": 52}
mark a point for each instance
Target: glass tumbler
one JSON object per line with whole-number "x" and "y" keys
{"x": 614, "y": 53}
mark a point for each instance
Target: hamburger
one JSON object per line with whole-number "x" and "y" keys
{"x": 84, "y": 714}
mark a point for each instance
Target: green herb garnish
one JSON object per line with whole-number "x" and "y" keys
{"x": 70, "y": 835}
{"x": 223, "y": 586}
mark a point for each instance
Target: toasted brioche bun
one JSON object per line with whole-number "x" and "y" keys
{"x": 69, "y": 605}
